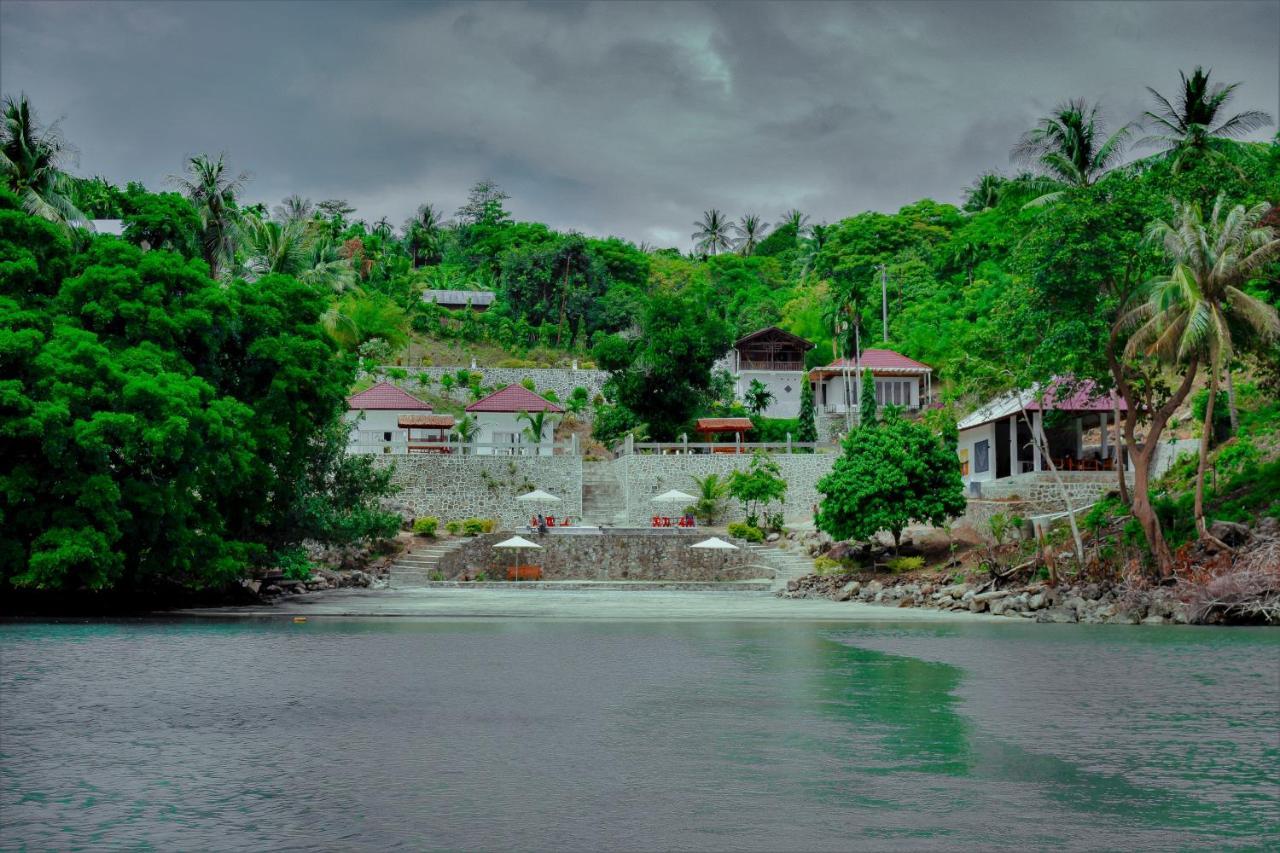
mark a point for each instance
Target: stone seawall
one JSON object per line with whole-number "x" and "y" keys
{"x": 457, "y": 487}
{"x": 645, "y": 476}
{"x": 560, "y": 380}
{"x": 610, "y": 556}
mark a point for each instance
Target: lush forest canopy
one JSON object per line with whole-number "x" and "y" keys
{"x": 251, "y": 320}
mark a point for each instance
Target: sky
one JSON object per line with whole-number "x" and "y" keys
{"x": 625, "y": 119}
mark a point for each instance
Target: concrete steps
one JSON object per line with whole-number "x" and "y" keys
{"x": 603, "y": 500}
{"x": 787, "y": 564}
{"x": 414, "y": 567}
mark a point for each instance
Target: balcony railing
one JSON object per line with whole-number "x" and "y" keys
{"x": 401, "y": 447}
{"x": 766, "y": 364}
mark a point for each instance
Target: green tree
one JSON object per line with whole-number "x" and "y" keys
{"x": 712, "y": 236}
{"x": 1194, "y": 127}
{"x": 1189, "y": 315}
{"x": 807, "y": 431}
{"x": 467, "y": 427}
{"x": 758, "y": 397}
{"x": 32, "y": 159}
{"x": 749, "y": 231}
{"x": 757, "y": 487}
{"x": 867, "y": 401}
{"x": 711, "y": 492}
{"x": 212, "y": 191}
{"x": 889, "y": 476}
{"x": 1071, "y": 147}
{"x": 536, "y": 423}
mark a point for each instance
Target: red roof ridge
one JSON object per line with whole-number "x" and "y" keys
{"x": 385, "y": 396}
{"x": 514, "y": 398}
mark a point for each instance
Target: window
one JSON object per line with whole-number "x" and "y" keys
{"x": 982, "y": 457}
{"x": 386, "y": 436}
{"x": 511, "y": 438}
{"x": 893, "y": 392}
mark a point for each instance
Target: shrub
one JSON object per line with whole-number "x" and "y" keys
{"x": 488, "y": 525}
{"x": 742, "y": 530}
{"x": 426, "y": 526}
{"x": 528, "y": 383}
{"x": 481, "y": 577}
{"x": 436, "y": 575}
{"x": 473, "y": 526}
{"x": 294, "y": 563}
{"x": 515, "y": 363}
{"x": 905, "y": 564}
{"x": 454, "y": 527}
{"x": 827, "y": 566}
{"x": 1000, "y": 525}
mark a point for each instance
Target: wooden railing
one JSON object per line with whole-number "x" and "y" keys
{"x": 710, "y": 447}
{"x": 401, "y": 447}
{"x": 757, "y": 364}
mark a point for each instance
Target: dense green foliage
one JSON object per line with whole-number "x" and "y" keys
{"x": 160, "y": 427}
{"x": 890, "y": 474}
{"x": 760, "y": 485}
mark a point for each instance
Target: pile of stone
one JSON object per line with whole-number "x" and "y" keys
{"x": 275, "y": 585}
{"x": 1092, "y": 603}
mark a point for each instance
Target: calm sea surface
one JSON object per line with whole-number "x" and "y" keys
{"x": 408, "y": 734}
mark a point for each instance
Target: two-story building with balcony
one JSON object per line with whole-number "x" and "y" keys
{"x": 775, "y": 358}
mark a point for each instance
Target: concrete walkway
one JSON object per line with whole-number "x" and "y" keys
{"x": 581, "y": 604}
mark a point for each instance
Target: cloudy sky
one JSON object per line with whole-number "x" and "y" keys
{"x": 609, "y": 118}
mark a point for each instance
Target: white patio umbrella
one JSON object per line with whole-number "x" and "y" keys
{"x": 674, "y": 496}
{"x": 517, "y": 544}
{"x": 714, "y": 544}
{"x": 538, "y": 496}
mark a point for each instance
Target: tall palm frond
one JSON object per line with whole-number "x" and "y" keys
{"x": 749, "y": 231}
{"x": 210, "y": 188}
{"x": 1193, "y": 125}
{"x": 712, "y": 236}
{"x": 32, "y": 158}
{"x": 797, "y": 220}
{"x": 1070, "y": 145}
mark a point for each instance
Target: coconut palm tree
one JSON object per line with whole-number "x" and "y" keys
{"x": 758, "y": 397}
{"x": 422, "y": 233}
{"x": 712, "y": 492}
{"x": 212, "y": 191}
{"x": 712, "y": 236}
{"x": 536, "y": 424}
{"x": 1194, "y": 126}
{"x": 294, "y": 207}
{"x": 811, "y": 247}
{"x": 31, "y": 162}
{"x": 293, "y": 247}
{"x": 1071, "y": 147}
{"x": 750, "y": 231}
{"x": 984, "y": 193}
{"x": 466, "y": 428}
{"x": 797, "y": 220}
{"x": 1193, "y": 314}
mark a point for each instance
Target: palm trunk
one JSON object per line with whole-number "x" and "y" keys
{"x": 1231, "y": 403}
{"x": 1206, "y": 435}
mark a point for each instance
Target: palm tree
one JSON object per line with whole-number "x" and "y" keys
{"x": 213, "y": 193}
{"x": 422, "y": 233}
{"x": 1193, "y": 314}
{"x": 294, "y": 248}
{"x": 536, "y": 425}
{"x": 359, "y": 317}
{"x": 467, "y": 427}
{"x": 1070, "y": 147}
{"x": 712, "y": 492}
{"x": 984, "y": 193}
{"x": 382, "y": 228}
{"x": 797, "y": 220}
{"x": 294, "y": 207}
{"x": 750, "y": 231}
{"x": 758, "y": 397}
{"x": 712, "y": 235}
{"x": 811, "y": 247}
{"x": 1193, "y": 126}
{"x": 31, "y": 162}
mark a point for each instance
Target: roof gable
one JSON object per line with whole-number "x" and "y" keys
{"x": 385, "y": 396}
{"x": 514, "y": 398}
{"x": 879, "y": 359}
{"x": 774, "y": 333}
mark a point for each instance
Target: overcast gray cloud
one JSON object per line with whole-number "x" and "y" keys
{"x": 609, "y": 118}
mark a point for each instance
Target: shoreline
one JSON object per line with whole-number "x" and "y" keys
{"x": 579, "y": 604}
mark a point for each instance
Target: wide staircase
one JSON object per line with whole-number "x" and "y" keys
{"x": 604, "y": 503}
{"x": 415, "y": 565}
{"x": 787, "y": 565}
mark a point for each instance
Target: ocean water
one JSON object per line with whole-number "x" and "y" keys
{"x": 413, "y": 734}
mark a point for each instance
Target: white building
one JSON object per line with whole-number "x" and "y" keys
{"x": 374, "y": 416}
{"x": 775, "y": 358}
{"x": 900, "y": 381}
{"x": 996, "y": 442}
{"x": 499, "y": 417}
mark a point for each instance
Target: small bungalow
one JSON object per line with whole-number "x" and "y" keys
{"x": 477, "y": 300}
{"x": 775, "y": 358}
{"x": 995, "y": 441}
{"x": 374, "y": 416}
{"x": 427, "y": 433}
{"x": 499, "y": 419}
{"x": 900, "y": 381}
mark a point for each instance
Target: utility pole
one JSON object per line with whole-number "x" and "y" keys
{"x": 884, "y": 299}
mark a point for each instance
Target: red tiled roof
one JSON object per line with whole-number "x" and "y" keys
{"x": 514, "y": 398}
{"x": 384, "y": 395}
{"x": 425, "y": 422}
{"x": 724, "y": 424}
{"x": 878, "y": 359}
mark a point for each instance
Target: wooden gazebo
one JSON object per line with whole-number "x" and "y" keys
{"x": 427, "y": 433}
{"x": 715, "y": 426}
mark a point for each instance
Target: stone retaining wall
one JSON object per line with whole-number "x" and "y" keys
{"x": 610, "y": 556}
{"x": 644, "y": 476}
{"x": 560, "y": 380}
{"x": 456, "y": 487}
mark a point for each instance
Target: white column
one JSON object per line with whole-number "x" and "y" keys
{"x": 1104, "y": 435}
{"x": 1079, "y": 438}
{"x": 1014, "y": 467}
{"x": 1036, "y": 434}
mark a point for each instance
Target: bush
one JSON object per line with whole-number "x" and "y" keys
{"x": 488, "y": 525}
{"x": 1001, "y": 525}
{"x": 436, "y": 575}
{"x": 905, "y": 564}
{"x": 426, "y": 526}
{"x": 294, "y": 563}
{"x": 481, "y": 577}
{"x": 515, "y": 363}
{"x": 473, "y": 526}
{"x": 742, "y": 530}
{"x": 828, "y": 566}
{"x": 454, "y": 527}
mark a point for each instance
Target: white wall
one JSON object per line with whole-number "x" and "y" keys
{"x": 786, "y": 404}
{"x": 968, "y": 439}
{"x": 369, "y": 427}
{"x": 492, "y": 423}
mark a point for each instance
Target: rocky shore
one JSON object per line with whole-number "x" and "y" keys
{"x": 336, "y": 568}
{"x": 1040, "y": 602}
